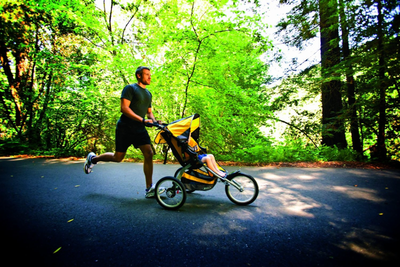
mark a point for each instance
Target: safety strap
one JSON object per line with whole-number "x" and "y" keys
{"x": 166, "y": 155}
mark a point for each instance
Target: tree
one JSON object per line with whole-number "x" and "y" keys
{"x": 203, "y": 61}
{"x": 350, "y": 81}
{"x": 368, "y": 32}
{"x": 208, "y": 62}
{"x": 46, "y": 75}
{"x": 306, "y": 17}
{"x": 382, "y": 86}
{"x": 332, "y": 119}
{"x": 17, "y": 40}
{"x": 377, "y": 61}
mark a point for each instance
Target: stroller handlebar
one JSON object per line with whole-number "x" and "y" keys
{"x": 156, "y": 124}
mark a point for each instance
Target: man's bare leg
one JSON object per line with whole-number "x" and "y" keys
{"x": 92, "y": 159}
{"x": 109, "y": 156}
{"x": 148, "y": 164}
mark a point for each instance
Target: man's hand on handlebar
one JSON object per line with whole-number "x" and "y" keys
{"x": 151, "y": 123}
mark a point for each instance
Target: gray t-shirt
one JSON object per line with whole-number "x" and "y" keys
{"x": 140, "y": 102}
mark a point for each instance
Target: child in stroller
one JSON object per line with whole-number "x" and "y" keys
{"x": 208, "y": 159}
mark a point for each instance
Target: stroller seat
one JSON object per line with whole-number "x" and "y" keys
{"x": 182, "y": 137}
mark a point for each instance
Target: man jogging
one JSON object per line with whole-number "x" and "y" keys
{"x": 131, "y": 130}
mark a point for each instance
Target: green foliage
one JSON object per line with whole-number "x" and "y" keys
{"x": 204, "y": 57}
{"x": 50, "y": 95}
{"x": 66, "y": 62}
{"x": 208, "y": 63}
{"x": 293, "y": 151}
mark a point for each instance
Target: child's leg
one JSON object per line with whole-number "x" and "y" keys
{"x": 213, "y": 163}
{"x": 210, "y": 161}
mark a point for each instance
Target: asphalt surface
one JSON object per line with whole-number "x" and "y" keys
{"x": 52, "y": 214}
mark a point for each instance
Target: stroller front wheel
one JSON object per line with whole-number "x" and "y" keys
{"x": 245, "y": 190}
{"x": 170, "y": 193}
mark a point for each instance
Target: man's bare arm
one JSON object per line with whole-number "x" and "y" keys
{"x": 127, "y": 111}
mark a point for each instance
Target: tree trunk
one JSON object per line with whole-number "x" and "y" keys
{"x": 350, "y": 82}
{"x": 382, "y": 88}
{"x": 332, "y": 119}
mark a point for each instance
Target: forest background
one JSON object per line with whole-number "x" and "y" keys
{"x": 65, "y": 62}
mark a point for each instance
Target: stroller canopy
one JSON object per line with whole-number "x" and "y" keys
{"x": 186, "y": 130}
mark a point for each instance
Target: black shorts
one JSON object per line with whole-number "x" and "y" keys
{"x": 124, "y": 139}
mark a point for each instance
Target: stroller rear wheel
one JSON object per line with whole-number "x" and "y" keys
{"x": 170, "y": 193}
{"x": 248, "y": 191}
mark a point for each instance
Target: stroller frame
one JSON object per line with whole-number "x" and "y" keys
{"x": 182, "y": 137}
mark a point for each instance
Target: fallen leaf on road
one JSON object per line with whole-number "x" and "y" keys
{"x": 77, "y": 185}
{"x": 70, "y": 220}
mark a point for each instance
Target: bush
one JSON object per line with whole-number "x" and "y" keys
{"x": 292, "y": 152}
{"x": 327, "y": 153}
{"x": 13, "y": 147}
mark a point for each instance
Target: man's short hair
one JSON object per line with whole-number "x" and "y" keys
{"x": 139, "y": 70}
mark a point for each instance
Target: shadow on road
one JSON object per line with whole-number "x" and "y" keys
{"x": 302, "y": 217}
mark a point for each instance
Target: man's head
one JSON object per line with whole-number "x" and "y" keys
{"x": 143, "y": 75}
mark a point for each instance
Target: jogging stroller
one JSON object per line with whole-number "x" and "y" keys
{"x": 182, "y": 137}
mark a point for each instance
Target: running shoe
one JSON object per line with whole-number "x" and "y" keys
{"x": 151, "y": 191}
{"x": 88, "y": 163}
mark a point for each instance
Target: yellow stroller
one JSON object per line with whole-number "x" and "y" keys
{"x": 182, "y": 137}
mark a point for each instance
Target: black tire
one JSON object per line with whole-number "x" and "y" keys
{"x": 170, "y": 193}
{"x": 176, "y": 174}
{"x": 249, "y": 193}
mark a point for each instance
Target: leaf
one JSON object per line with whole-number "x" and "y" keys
{"x": 70, "y": 220}
{"x": 57, "y": 250}
{"x": 77, "y": 185}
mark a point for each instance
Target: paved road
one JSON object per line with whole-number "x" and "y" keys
{"x": 302, "y": 217}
